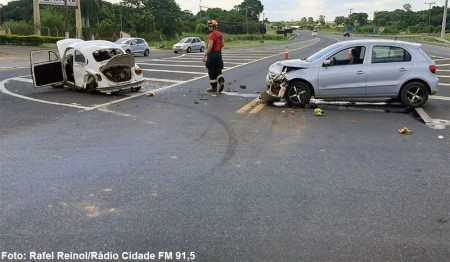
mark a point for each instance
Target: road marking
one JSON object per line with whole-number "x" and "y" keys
{"x": 6, "y": 91}
{"x": 162, "y": 80}
{"x": 173, "y": 71}
{"x": 432, "y": 123}
{"x": 251, "y": 104}
{"x": 446, "y": 98}
{"x": 258, "y": 108}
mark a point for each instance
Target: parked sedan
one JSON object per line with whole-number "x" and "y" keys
{"x": 363, "y": 68}
{"x": 95, "y": 65}
{"x": 134, "y": 45}
{"x": 189, "y": 44}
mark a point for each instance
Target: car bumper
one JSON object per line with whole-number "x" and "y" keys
{"x": 120, "y": 87}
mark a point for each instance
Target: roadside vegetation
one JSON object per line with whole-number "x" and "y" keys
{"x": 163, "y": 23}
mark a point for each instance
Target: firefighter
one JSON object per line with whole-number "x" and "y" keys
{"x": 213, "y": 58}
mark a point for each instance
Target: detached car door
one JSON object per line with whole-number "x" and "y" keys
{"x": 46, "y": 68}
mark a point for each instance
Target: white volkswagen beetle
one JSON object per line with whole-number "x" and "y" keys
{"x": 95, "y": 65}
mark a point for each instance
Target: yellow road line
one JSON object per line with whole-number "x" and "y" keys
{"x": 257, "y": 109}
{"x": 251, "y": 104}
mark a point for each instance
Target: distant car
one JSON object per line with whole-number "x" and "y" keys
{"x": 314, "y": 33}
{"x": 134, "y": 45}
{"x": 95, "y": 65}
{"x": 189, "y": 44}
{"x": 363, "y": 68}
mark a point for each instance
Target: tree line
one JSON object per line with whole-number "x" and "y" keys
{"x": 161, "y": 19}
{"x": 151, "y": 19}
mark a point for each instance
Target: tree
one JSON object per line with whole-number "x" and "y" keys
{"x": 251, "y": 8}
{"x": 89, "y": 8}
{"x": 407, "y": 7}
{"x": 340, "y": 20}
{"x": 321, "y": 20}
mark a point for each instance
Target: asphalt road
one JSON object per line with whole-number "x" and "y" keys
{"x": 214, "y": 179}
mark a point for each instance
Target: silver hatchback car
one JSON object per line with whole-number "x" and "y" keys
{"x": 364, "y": 68}
{"x": 134, "y": 45}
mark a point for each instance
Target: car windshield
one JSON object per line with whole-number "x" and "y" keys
{"x": 106, "y": 54}
{"x": 186, "y": 40}
{"x": 122, "y": 41}
{"x": 324, "y": 52}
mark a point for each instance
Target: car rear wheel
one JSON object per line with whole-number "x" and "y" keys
{"x": 128, "y": 51}
{"x": 414, "y": 94}
{"x": 176, "y": 52}
{"x": 188, "y": 50}
{"x": 146, "y": 52}
{"x": 298, "y": 94}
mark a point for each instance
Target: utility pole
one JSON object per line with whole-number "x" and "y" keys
{"x": 66, "y": 35}
{"x": 429, "y": 15}
{"x": 444, "y": 20}
{"x": 350, "y": 16}
{"x": 36, "y": 17}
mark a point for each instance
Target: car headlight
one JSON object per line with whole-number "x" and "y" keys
{"x": 276, "y": 68}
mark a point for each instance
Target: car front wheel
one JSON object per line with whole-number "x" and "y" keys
{"x": 298, "y": 94}
{"x": 202, "y": 49}
{"x": 414, "y": 95}
{"x": 146, "y": 52}
{"x": 188, "y": 50}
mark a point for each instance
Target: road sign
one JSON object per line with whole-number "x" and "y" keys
{"x": 71, "y": 3}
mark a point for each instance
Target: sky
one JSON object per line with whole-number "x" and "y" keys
{"x": 287, "y": 10}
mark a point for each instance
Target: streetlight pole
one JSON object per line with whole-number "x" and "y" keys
{"x": 444, "y": 20}
{"x": 67, "y": 19}
{"x": 429, "y": 16}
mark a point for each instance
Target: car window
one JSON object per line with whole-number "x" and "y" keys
{"x": 187, "y": 40}
{"x": 79, "y": 57}
{"x": 322, "y": 53}
{"x": 348, "y": 56}
{"x": 389, "y": 54}
{"x": 105, "y": 54}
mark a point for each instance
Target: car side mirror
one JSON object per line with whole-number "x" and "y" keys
{"x": 326, "y": 63}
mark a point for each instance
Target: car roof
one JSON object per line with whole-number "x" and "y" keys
{"x": 379, "y": 41}
{"x": 87, "y": 46}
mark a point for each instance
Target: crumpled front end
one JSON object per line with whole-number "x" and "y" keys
{"x": 276, "y": 86}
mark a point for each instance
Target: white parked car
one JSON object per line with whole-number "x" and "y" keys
{"x": 189, "y": 44}
{"x": 95, "y": 65}
{"x": 363, "y": 68}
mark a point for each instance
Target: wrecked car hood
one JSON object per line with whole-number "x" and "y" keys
{"x": 296, "y": 63}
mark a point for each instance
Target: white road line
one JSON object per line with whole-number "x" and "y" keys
{"x": 443, "y": 65}
{"x": 446, "y": 98}
{"x": 6, "y": 91}
{"x": 443, "y": 76}
{"x": 149, "y": 64}
{"x": 441, "y": 59}
{"x": 173, "y": 71}
{"x": 444, "y": 84}
{"x": 162, "y": 80}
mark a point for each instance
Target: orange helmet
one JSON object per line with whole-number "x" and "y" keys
{"x": 213, "y": 23}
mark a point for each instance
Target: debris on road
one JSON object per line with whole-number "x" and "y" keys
{"x": 405, "y": 131}
{"x": 319, "y": 112}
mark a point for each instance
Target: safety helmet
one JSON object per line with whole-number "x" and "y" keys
{"x": 212, "y": 23}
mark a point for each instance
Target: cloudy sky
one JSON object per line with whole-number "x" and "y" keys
{"x": 276, "y": 10}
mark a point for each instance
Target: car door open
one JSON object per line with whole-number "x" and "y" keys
{"x": 46, "y": 68}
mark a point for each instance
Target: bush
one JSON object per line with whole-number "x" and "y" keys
{"x": 32, "y": 40}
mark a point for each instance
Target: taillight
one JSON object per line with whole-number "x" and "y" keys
{"x": 138, "y": 70}
{"x": 432, "y": 69}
